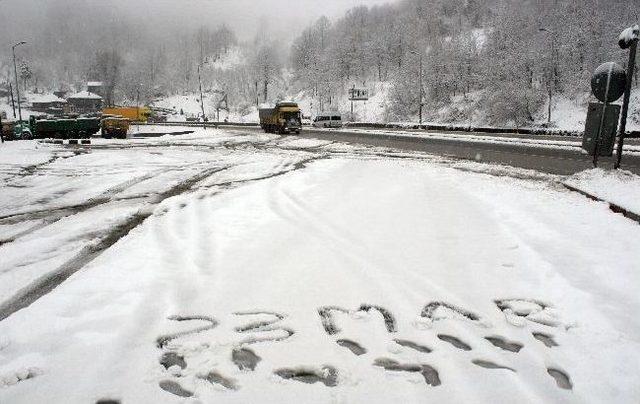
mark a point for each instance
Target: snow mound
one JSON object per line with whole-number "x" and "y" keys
{"x": 619, "y": 187}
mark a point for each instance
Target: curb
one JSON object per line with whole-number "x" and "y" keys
{"x": 612, "y": 206}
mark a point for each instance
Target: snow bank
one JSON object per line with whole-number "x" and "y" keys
{"x": 619, "y": 187}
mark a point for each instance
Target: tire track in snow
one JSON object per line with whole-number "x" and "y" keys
{"x": 53, "y": 215}
{"x": 45, "y": 284}
{"x": 30, "y": 170}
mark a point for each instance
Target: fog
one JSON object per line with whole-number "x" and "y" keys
{"x": 245, "y": 17}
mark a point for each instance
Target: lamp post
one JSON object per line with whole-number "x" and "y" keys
{"x": 15, "y": 70}
{"x": 552, "y": 73}
{"x": 204, "y": 123}
{"x": 421, "y": 81}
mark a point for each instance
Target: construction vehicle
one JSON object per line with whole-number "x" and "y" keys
{"x": 40, "y": 127}
{"x": 115, "y": 127}
{"x": 284, "y": 117}
{"x": 133, "y": 114}
{"x": 6, "y": 129}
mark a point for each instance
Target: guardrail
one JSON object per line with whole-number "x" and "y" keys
{"x": 426, "y": 127}
{"x": 198, "y": 124}
{"x": 467, "y": 128}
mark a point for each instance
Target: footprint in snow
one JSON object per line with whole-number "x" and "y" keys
{"x": 546, "y": 339}
{"x": 245, "y": 359}
{"x": 214, "y": 377}
{"x": 430, "y": 374}
{"x": 490, "y": 365}
{"x": 502, "y": 343}
{"x": 174, "y": 388}
{"x": 353, "y": 346}
{"x": 327, "y": 375}
{"x": 454, "y": 341}
{"x": 562, "y": 379}
{"x": 413, "y": 345}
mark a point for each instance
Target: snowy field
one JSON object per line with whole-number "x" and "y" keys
{"x": 228, "y": 267}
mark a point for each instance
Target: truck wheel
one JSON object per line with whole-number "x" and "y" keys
{"x": 297, "y": 132}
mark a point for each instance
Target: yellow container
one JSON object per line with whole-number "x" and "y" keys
{"x": 135, "y": 114}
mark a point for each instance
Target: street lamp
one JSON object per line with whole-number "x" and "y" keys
{"x": 15, "y": 70}
{"x": 553, "y": 74}
{"x": 421, "y": 82}
{"x": 204, "y": 123}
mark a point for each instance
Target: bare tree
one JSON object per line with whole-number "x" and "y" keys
{"x": 107, "y": 68}
{"x": 267, "y": 66}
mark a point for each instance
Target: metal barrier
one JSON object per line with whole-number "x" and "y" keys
{"x": 426, "y": 127}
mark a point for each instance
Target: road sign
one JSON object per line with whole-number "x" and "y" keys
{"x": 358, "y": 94}
{"x": 609, "y": 127}
{"x": 601, "y": 77}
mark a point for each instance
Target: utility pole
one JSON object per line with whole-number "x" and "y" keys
{"x": 421, "y": 82}
{"x": 633, "y": 47}
{"x": 552, "y": 71}
{"x": 353, "y": 94}
{"x": 15, "y": 70}
{"x": 257, "y": 96}
{"x": 204, "y": 123}
{"x": 13, "y": 103}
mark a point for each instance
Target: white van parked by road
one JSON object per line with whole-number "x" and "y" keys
{"x": 328, "y": 120}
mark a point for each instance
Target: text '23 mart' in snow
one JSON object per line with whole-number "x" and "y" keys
{"x": 307, "y": 271}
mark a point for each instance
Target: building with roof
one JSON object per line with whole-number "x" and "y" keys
{"x": 48, "y": 103}
{"x": 85, "y": 102}
{"x": 96, "y": 87}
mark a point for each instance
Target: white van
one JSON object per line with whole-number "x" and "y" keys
{"x": 328, "y": 120}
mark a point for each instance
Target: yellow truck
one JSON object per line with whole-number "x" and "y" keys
{"x": 284, "y": 117}
{"x": 114, "y": 127}
{"x": 134, "y": 114}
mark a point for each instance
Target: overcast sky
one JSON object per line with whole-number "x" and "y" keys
{"x": 284, "y": 19}
{"x": 244, "y": 16}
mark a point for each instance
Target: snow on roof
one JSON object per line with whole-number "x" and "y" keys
{"x": 84, "y": 95}
{"x": 94, "y": 84}
{"x": 44, "y": 98}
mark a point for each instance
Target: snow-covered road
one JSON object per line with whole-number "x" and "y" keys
{"x": 233, "y": 267}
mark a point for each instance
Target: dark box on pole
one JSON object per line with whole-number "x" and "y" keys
{"x": 608, "y": 136}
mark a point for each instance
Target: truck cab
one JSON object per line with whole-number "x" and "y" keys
{"x": 285, "y": 117}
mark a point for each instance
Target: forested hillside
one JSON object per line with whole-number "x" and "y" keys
{"x": 505, "y": 57}
{"x": 498, "y": 61}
